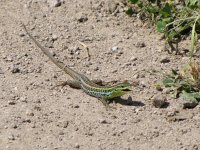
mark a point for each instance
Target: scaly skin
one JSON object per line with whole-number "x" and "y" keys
{"x": 103, "y": 93}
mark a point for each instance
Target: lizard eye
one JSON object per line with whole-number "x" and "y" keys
{"x": 122, "y": 86}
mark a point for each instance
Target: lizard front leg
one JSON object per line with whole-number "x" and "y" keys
{"x": 105, "y": 103}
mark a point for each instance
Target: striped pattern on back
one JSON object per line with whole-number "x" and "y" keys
{"x": 96, "y": 92}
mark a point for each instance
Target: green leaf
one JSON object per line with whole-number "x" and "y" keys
{"x": 166, "y": 11}
{"x": 171, "y": 35}
{"x": 168, "y": 82}
{"x": 133, "y": 1}
{"x": 168, "y": 20}
{"x": 161, "y": 26}
{"x": 192, "y": 2}
{"x": 196, "y": 95}
{"x": 192, "y": 49}
{"x": 188, "y": 97}
{"x": 174, "y": 72}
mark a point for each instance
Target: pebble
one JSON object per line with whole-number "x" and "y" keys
{"x": 65, "y": 124}
{"x": 82, "y": 18}
{"x": 14, "y": 126}
{"x": 11, "y": 137}
{"x": 15, "y": 69}
{"x": 9, "y": 58}
{"x": 29, "y": 113}
{"x": 77, "y": 145}
{"x": 188, "y": 103}
{"x": 143, "y": 83}
{"x": 87, "y": 64}
{"x": 136, "y": 76}
{"x": 138, "y": 110}
{"x": 11, "y": 102}
{"x": 23, "y": 99}
{"x": 103, "y": 121}
{"x": 55, "y": 3}
{"x": 21, "y": 34}
{"x": 76, "y": 106}
{"x": 133, "y": 58}
{"x": 114, "y": 49}
{"x": 61, "y": 133}
{"x": 164, "y": 59}
{"x": 119, "y": 53}
{"x": 140, "y": 44}
{"x": 166, "y": 91}
{"x": 159, "y": 101}
{"x": 54, "y": 37}
{"x": 96, "y": 68}
{"x": 113, "y": 71}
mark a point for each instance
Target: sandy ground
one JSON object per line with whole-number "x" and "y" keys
{"x": 33, "y": 115}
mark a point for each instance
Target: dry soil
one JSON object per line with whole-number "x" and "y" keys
{"x": 34, "y": 115}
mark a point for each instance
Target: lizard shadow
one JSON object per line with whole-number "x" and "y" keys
{"x": 128, "y": 102}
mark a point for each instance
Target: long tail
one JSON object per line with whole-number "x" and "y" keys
{"x": 61, "y": 65}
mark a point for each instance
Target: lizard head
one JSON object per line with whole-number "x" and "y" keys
{"x": 121, "y": 89}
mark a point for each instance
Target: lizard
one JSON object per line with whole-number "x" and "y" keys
{"x": 90, "y": 87}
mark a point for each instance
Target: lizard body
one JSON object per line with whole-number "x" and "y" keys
{"x": 103, "y": 93}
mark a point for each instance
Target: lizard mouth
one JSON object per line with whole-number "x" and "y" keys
{"x": 127, "y": 90}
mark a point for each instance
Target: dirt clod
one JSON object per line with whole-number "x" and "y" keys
{"x": 159, "y": 101}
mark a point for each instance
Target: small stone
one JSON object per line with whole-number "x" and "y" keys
{"x": 164, "y": 60}
{"x": 21, "y": 34}
{"x": 33, "y": 125}
{"x": 103, "y": 121}
{"x": 15, "y": 69}
{"x": 133, "y": 58}
{"x": 159, "y": 101}
{"x": 14, "y": 126}
{"x": 113, "y": 71}
{"x": 82, "y": 18}
{"x": 76, "y": 106}
{"x": 23, "y": 99}
{"x": 65, "y": 124}
{"x": 54, "y": 37}
{"x": 143, "y": 83}
{"x": 114, "y": 49}
{"x": 140, "y": 44}
{"x": 29, "y": 113}
{"x": 188, "y": 103}
{"x": 136, "y": 76}
{"x": 9, "y": 58}
{"x": 61, "y": 133}
{"x": 55, "y": 3}
{"x": 166, "y": 91}
{"x": 11, "y": 137}
{"x": 96, "y": 68}
{"x": 138, "y": 110}
{"x": 11, "y": 102}
{"x": 77, "y": 145}
{"x": 127, "y": 64}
